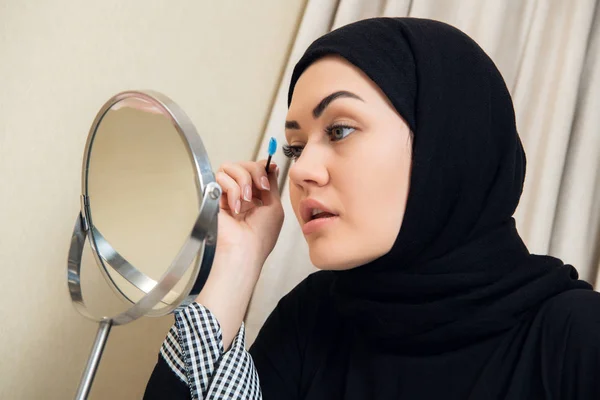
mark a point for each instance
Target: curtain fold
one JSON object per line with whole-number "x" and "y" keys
{"x": 576, "y": 231}
{"x": 549, "y": 55}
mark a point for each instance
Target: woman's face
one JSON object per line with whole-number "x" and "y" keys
{"x": 353, "y": 154}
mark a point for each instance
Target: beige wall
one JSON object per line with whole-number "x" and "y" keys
{"x": 59, "y": 62}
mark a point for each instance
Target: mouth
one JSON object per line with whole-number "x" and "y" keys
{"x": 311, "y": 209}
{"x": 317, "y": 224}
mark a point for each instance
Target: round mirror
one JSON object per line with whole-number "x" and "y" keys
{"x": 142, "y": 193}
{"x": 149, "y": 207}
{"x": 151, "y": 229}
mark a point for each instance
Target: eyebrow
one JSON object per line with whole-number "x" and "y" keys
{"x": 318, "y": 110}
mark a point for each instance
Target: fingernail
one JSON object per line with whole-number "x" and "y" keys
{"x": 247, "y": 193}
{"x": 264, "y": 182}
{"x": 277, "y": 172}
{"x": 238, "y": 206}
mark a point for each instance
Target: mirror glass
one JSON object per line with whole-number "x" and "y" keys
{"x": 142, "y": 191}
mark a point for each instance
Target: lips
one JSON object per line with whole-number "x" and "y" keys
{"x": 308, "y": 205}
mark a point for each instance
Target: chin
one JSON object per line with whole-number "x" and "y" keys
{"x": 331, "y": 260}
{"x": 324, "y": 256}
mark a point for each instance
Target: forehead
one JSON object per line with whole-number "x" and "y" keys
{"x": 325, "y": 76}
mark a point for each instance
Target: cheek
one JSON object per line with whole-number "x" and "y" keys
{"x": 294, "y": 197}
{"x": 377, "y": 198}
{"x": 376, "y": 193}
{"x": 380, "y": 175}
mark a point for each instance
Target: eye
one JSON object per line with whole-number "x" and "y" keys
{"x": 292, "y": 152}
{"x": 335, "y": 132}
{"x": 339, "y": 132}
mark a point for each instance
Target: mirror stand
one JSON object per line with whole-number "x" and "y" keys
{"x": 94, "y": 359}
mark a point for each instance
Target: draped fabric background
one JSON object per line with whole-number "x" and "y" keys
{"x": 549, "y": 54}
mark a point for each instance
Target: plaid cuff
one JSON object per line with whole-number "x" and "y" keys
{"x": 236, "y": 376}
{"x": 193, "y": 349}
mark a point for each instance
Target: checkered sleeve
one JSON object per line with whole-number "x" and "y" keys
{"x": 193, "y": 349}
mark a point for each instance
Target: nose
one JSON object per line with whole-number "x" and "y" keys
{"x": 310, "y": 169}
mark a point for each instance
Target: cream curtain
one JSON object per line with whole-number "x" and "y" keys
{"x": 549, "y": 54}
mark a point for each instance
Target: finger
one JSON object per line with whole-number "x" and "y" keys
{"x": 247, "y": 206}
{"x": 242, "y": 176}
{"x": 273, "y": 178}
{"x": 257, "y": 171}
{"x": 231, "y": 189}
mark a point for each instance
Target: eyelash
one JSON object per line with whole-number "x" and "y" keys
{"x": 294, "y": 152}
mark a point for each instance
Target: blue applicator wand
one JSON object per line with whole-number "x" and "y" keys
{"x": 272, "y": 149}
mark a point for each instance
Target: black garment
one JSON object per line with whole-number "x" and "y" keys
{"x": 306, "y": 350}
{"x": 164, "y": 384}
{"x": 459, "y": 308}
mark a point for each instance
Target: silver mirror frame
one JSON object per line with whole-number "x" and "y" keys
{"x": 199, "y": 246}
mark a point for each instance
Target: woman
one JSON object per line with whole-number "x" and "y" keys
{"x": 404, "y": 139}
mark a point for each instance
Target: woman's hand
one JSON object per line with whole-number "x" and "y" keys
{"x": 251, "y": 213}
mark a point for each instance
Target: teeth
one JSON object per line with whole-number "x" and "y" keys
{"x": 316, "y": 211}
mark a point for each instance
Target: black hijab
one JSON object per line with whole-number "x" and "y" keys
{"x": 459, "y": 308}
{"x": 458, "y": 270}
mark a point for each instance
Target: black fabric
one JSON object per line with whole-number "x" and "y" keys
{"x": 458, "y": 308}
{"x": 164, "y": 384}
{"x": 307, "y": 350}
